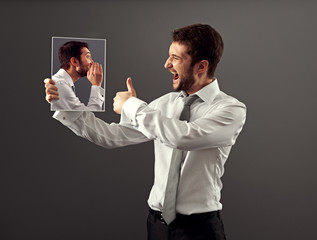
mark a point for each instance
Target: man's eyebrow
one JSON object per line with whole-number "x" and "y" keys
{"x": 174, "y": 55}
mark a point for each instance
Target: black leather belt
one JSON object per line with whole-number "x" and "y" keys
{"x": 185, "y": 218}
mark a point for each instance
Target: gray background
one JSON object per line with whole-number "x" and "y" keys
{"x": 97, "y": 47}
{"x": 55, "y": 185}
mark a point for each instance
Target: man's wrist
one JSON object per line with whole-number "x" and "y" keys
{"x": 67, "y": 117}
{"x": 97, "y": 92}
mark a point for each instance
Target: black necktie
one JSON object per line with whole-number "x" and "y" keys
{"x": 169, "y": 208}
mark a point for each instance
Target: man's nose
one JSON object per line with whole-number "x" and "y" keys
{"x": 168, "y": 64}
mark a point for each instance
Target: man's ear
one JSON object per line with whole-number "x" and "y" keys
{"x": 202, "y": 66}
{"x": 74, "y": 62}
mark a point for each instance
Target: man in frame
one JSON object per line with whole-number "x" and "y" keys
{"x": 76, "y": 62}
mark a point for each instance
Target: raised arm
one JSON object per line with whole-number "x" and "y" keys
{"x": 87, "y": 125}
{"x": 219, "y": 126}
{"x": 216, "y": 128}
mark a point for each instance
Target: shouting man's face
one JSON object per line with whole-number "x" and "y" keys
{"x": 85, "y": 62}
{"x": 179, "y": 64}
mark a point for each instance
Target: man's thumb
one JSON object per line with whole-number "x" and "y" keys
{"x": 130, "y": 87}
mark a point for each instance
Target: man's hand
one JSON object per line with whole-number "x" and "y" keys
{"x": 122, "y": 97}
{"x": 94, "y": 74}
{"x": 50, "y": 90}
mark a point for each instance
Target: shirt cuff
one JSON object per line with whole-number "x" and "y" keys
{"x": 129, "y": 111}
{"x": 97, "y": 92}
{"x": 67, "y": 118}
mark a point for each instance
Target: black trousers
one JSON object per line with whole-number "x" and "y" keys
{"x": 203, "y": 226}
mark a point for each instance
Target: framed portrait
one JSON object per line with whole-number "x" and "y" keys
{"x": 76, "y": 92}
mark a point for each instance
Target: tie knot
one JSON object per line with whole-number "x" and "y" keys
{"x": 190, "y": 99}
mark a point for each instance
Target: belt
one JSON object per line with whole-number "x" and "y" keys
{"x": 185, "y": 218}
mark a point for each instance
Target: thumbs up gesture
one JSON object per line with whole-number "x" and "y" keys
{"x": 122, "y": 97}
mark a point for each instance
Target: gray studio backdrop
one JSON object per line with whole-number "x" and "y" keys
{"x": 55, "y": 185}
{"x": 97, "y": 48}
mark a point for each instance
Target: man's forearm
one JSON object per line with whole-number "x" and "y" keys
{"x": 86, "y": 125}
{"x": 219, "y": 128}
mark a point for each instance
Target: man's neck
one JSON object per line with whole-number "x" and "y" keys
{"x": 200, "y": 84}
{"x": 73, "y": 74}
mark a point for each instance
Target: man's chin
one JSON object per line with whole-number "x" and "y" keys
{"x": 176, "y": 85}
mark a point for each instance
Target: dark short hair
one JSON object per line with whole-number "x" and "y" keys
{"x": 203, "y": 42}
{"x": 68, "y": 50}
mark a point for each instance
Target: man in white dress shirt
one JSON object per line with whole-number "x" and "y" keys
{"x": 216, "y": 120}
{"x": 76, "y": 62}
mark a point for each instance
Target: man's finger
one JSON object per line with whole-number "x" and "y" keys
{"x": 93, "y": 68}
{"x": 49, "y": 81}
{"x": 52, "y": 91}
{"x": 50, "y": 87}
{"x": 50, "y": 97}
{"x": 129, "y": 85}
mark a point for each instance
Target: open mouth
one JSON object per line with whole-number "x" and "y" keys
{"x": 175, "y": 76}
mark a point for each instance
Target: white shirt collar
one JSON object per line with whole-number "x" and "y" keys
{"x": 207, "y": 93}
{"x": 64, "y": 75}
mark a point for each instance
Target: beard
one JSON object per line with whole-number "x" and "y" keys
{"x": 82, "y": 72}
{"x": 186, "y": 81}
